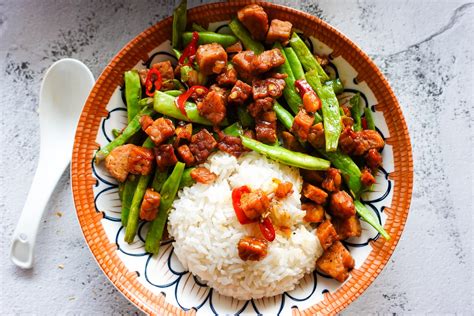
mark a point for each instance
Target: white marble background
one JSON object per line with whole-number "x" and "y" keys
{"x": 425, "y": 48}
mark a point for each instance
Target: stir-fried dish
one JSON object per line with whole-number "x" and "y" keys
{"x": 257, "y": 89}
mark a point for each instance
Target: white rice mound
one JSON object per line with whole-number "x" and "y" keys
{"x": 206, "y": 230}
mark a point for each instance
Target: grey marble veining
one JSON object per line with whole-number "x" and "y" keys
{"x": 425, "y": 49}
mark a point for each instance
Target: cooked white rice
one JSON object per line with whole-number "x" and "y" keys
{"x": 207, "y": 232}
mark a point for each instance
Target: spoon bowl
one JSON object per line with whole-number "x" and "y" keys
{"x": 64, "y": 90}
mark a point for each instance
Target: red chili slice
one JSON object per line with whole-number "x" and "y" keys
{"x": 182, "y": 98}
{"x": 190, "y": 50}
{"x": 236, "y": 195}
{"x": 363, "y": 123}
{"x": 267, "y": 229}
{"x": 153, "y": 79}
{"x": 309, "y": 96}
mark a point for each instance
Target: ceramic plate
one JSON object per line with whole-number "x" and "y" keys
{"x": 159, "y": 284}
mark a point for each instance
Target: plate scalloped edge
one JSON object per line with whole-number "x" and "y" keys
{"x": 83, "y": 180}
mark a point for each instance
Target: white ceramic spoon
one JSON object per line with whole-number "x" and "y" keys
{"x": 64, "y": 90}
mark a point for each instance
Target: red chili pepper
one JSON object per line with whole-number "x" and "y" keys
{"x": 190, "y": 50}
{"x": 236, "y": 195}
{"x": 311, "y": 101}
{"x": 267, "y": 229}
{"x": 364, "y": 123}
{"x": 153, "y": 78}
{"x": 182, "y": 98}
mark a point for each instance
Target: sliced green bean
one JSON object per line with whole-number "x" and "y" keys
{"x": 134, "y": 213}
{"x": 369, "y": 217}
{"x": 177, "y": 84}
{"x": 286, "y": 156}
{"x": 369, "y": 119}
{"x": 133, "y": 93}
{"x": 295, "y": 63}
{"x": 244, "y": 36}
{"x": 132, "y": 127}
{"x": 349, "y": 170}
{"x": 233, "y": 130}
{"x": 145, "y": 102}
{"x": 198, "y": 28}
{"x": 289, "y": 92}
{"x": 283, "y": 115}
{"x": 306, "y": 57}
{"x": 120, "y": 190}
{"x": 336, "y": 84}
{"x": 317, "y": 118}
{"x": 159, "y": 179}
{"x": 168, "y": 193}
{"x": 174, "y": 93}
{"x": 355, "y": 112}
{"x": 186, "y": 179}
{"x": 177, "y": 53}
{"x": 330, "y": 108}
{"x": 244, "y": 117}
{"x": 116, "y": 132}
{"x": 165, "y": 104}
{"x": 211, "y": 37}
{"x": 128, "y": 193}
{"x": 179, "y": 23}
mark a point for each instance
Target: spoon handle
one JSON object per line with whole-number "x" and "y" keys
{"x": 24, "y": 238}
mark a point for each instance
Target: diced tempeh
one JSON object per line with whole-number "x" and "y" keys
{"x": 279, "y": 31}
{"x": 336, "y": 262}
{"x": 211, "y": 58}
{"x": 150, "y": 205}
{"x": 342, "y": 205}
{"x": 314, "y": 193}
{"x": 255, "y": 20}
{"x": 347, "y": 227}
{"x": 327, "y": 234}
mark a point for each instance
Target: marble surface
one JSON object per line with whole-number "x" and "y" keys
{"x": 423, "y": 47}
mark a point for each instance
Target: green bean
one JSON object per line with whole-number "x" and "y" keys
{"x": 306, "y": 57}
{"x": 244, "y": 36}
{"x": 165, "y": 104}
{"x": 349, "y": 170}
{"x": 179, "y": 23}
{"x": 132, "y": 127}
{"x": 174, "y": 93}
{"x": 355, "y": 112}
{"x": 244, "y": 117}
{"x": 134, "y": 213}
{"x": 283, "y": 115}
{"x": 121, "y": 186}
{"x": 128, "y": 193}
{"x": 330, "y": 107}
{"x": 168, "y": 193}
{"x": 133, "y": 93}
{"x": 145, "y": 102}
{"x": 158, "y": 179}
{"x": 185, "y": 71}
{"x": 177, "y": 84}
{"x": 186, "y": 179}
{"x": 289, "y": 92}
{"x": 317, "y": 118}
{"x": 198, "y": 28}
{"x": 116, "y": 132}
{"x": 177, "y": 53}
{"x": 233, "y": 130}
{"x": 286, "y": 156}
{"x": 295, "y": 63}
{"x": 211, "y": 37}
{"x": 369, "y": 119}
{"x": 336, "y": 84}
{"x": 368, "y": 217}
